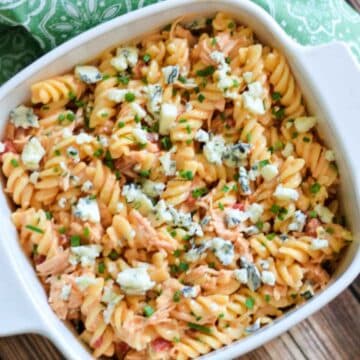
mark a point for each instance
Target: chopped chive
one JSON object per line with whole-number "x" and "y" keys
{"x": 196, "y": 193}
{"x": 201, "y": 328}
{"x": 260, "y": 225}
{"x": 101, "y": 267}
{"x": 275, "y": 209}
{"x": 182, "y": 79}
{"x": 278, "y": 145}
{"x": 183, "y": 266}
{"x": 312, "y": 214}
{"x": 71, "y": 95}
{"x": 113, "y": 255}
{"x": 201, "y": 98}
{"x": 225, "y": 188}
{"x": 109, "y": 161}
{"x": 61, "y": 118}
{"x": 206, "y": 71}
{"x": 267, "y": 298}
{"x": 329, "y": 230}
{"x": 315, "y": 188}
{"x": 263, "y": 163}
{"x": 14, "y": 163}
{"x": 221, "y": 206}
{"x": 123, "y": 79}
{"x": 182, "y": 120}
{"x": 70, "y": 116}
{"x": 249, "y": 303}
{"x": 35, "y": 229}
{"x": 147, "y": 58}
{"x": 75, "y": 240}
{"x": 186, "y": 237}
{"x": 166, "y": 143}
{"x": 177, "y": 296}
{"x": 120, "y": 124}
{"x": 62, "y": 230}
{"x": 271, "y": 236}
{"x": 86, "y": 232}
{"x": 186, "y": 174}
{"x": 294, "y": 135}
{"x": 57, "y": 152}
{"x": 144, "y": 173}
{"x": 276, "y": 96}
{"x": 177, "y": 253}
{"x": 148, "y": 310}
{"x": 48, "y": 215}
{"x": 248, "y": 137}
{"x": 98, "y": 152}
{"x": 306, "y": 139}
{"x": 129, "y": 97}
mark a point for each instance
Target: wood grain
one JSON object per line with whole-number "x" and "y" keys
{"x": 332, "y": 333}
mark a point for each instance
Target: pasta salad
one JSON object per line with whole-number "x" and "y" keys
{"x": 174, "y": 195}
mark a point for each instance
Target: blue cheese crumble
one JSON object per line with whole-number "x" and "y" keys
{"x": 168, "y": 115}
{"x": 168, "y": 165}
{"x": 32, "y": 154}
{"x": 84, "y": 281}
{"x": 125, "y": 57}
{"x": 252, "y": 98}
{"x": 235, "y": 155}
{"x": 244, "y": 181}
{"x": 152, "y": 188}
{"x": 286, "y": 194}
{"x": 223, "y": 250}
{"x": 171, "y": 73}
{"x": 85, "y": 254}
{"x": 87, "y": 209}
{"x": 24, "y": 117}
{"x": 135, "y": 196}
{"x": 235, "y": 217}
{"x": 298, "y": 221}
{"x": 135, "y": 281}
{"x": 318, "y": 244}
{"x": 214, "y": 149}
{"x": 88, "y": 74}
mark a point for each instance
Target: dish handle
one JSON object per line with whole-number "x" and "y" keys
{"x": 334, "y": 75}
{"x": 18, "y": 312}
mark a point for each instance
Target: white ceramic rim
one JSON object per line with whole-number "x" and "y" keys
{"x": 21, "y": 297}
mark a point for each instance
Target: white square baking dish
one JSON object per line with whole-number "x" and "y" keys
{"x": 329, "y": 78}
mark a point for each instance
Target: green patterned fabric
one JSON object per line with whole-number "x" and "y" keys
{"x": 29, "y": 28}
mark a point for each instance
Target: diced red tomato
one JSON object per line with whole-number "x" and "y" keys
{"x": 121, "y": 350}
{"x": 39, "y": 259}
{"x": 9, "y": 147}
{"x": 137, "y": 74}
{"x": 161, "y": 344}
{"x": 230, "y": 123}
{"x": 63, "y": 240}
{"x": 98, "y": 342}
{"x": 190, "y": 201}
{"x": 239, "y": 206}
{"x": 311, "y": 227}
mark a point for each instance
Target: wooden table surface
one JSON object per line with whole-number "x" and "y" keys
{"x": 333, "y": 333}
